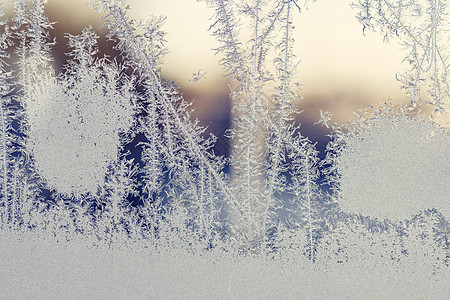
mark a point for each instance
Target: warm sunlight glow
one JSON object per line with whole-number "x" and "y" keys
{"x": 340, "y": 67}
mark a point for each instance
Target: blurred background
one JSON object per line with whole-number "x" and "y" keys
{"x": 341, "y": 69}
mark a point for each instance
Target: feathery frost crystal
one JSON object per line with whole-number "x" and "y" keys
{"x": 102, "y": 165}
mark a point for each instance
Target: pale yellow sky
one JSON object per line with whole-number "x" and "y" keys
{"x": 340, "y": 67}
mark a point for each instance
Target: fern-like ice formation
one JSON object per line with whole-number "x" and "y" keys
{"x": 75, "y": 122}
{"x": 6, "y": 117}
{"x": 267, "y": 145}
{"x": 177, "y": 150}
{"x": 67, "y": 173}
{"x": 423, "y": 29}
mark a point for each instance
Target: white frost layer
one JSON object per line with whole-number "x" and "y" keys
{"x": 45, "y": 270}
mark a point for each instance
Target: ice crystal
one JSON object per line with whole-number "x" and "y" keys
{"x": 104, "y": 173}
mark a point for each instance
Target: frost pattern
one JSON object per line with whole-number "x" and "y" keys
{"x": 103, "y": 172}
{"x": 264, "y": 138}
{"x": 76, "y": 120}
{"x": 422, "y": 27}
{"x": 392, "y": 166}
